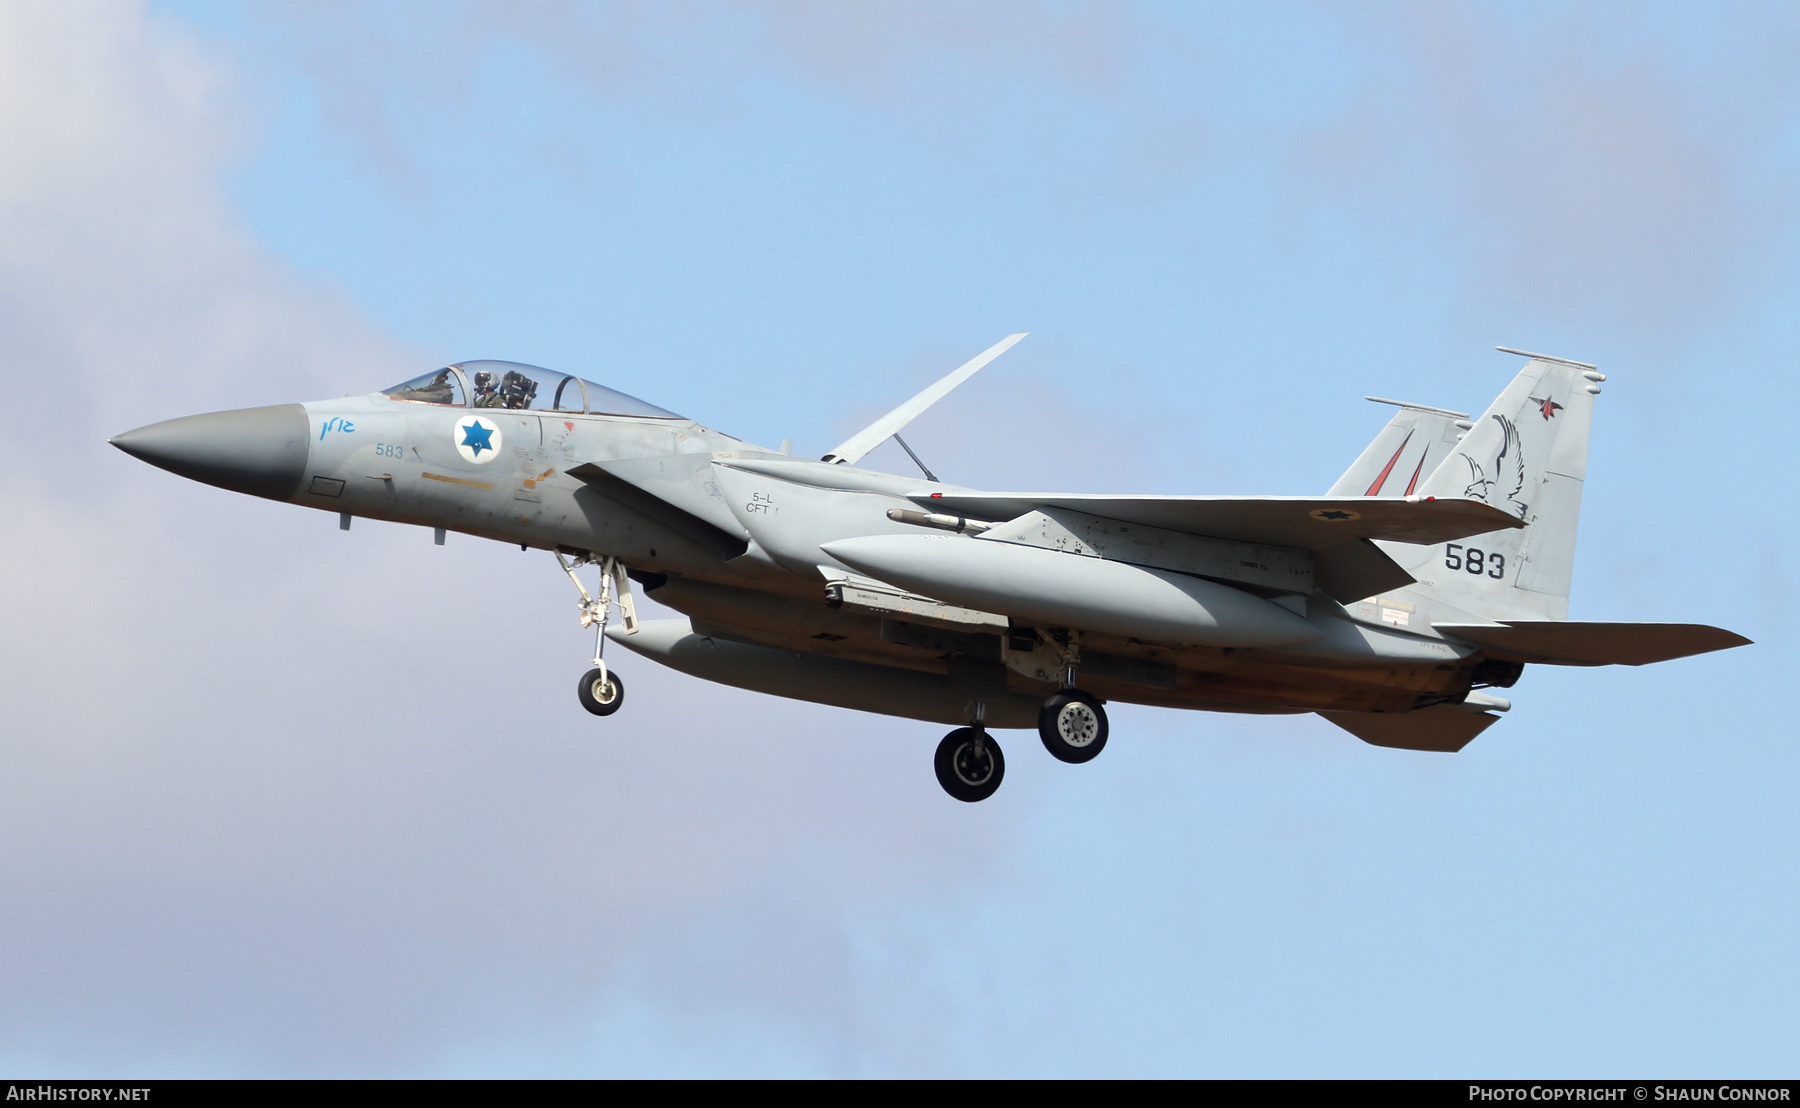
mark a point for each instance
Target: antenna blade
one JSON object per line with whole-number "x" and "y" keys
{"x": 895, "y": 421}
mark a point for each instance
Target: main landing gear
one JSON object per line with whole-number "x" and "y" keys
{"x": 969, "y": 764}
{"x": 601, "y": 691}
{"x": 1072, "y": 725}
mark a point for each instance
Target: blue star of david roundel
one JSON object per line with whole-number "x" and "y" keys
{"x": 477, "y": 439}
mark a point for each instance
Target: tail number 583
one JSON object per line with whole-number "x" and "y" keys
{"x": 1473, "y": 561}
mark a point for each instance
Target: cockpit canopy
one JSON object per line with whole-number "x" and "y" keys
{"x": 519, "y": 387}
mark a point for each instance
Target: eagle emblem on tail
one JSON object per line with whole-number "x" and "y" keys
{"x": 1508, "y": 468}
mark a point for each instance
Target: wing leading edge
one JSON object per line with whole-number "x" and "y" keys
{"x": 1304, "y": 522}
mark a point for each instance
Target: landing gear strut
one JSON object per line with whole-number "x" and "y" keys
{"x": 1072, "y": 723}
{"x": 969, "y": 764}
{"x": 602, "y": 692}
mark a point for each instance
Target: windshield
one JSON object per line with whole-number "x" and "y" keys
{"x": 437, "y": 387}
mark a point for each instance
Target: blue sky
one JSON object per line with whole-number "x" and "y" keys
{"x": 279, "y": 800}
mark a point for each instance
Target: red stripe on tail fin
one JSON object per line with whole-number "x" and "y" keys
{"x": 1414, "y": 483}
{"x": 1381, "y": 478}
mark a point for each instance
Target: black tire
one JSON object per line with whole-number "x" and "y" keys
{"x": 602, "y": 701}
{"x": 1073, "y": 726}
{"x": 964, "y": 776}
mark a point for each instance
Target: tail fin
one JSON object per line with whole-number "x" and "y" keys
{"x": 1407, "y": 450}
{"x": 1527, "y": 455}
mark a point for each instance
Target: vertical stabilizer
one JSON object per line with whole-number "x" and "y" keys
{"x": 1526, "y": 455}
{"x": 1404, "y": 454}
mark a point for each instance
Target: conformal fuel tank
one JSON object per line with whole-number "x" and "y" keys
{"x": 840, "y": 681}
{"x": 1048, "y": 588}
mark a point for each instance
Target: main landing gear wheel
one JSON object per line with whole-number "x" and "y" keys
{"x": 1073, "y": 726}
{"x": 969, "y": 764}
{"x": 601, "y": 692}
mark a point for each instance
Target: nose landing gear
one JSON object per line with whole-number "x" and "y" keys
{"x": 600, "y": 691}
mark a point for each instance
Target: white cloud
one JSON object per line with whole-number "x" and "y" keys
{"x": 1591, "y": 172}
{"x": 259, "y": 810}
{"x": 371, "y": 65}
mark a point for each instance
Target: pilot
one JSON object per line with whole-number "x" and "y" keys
{"x": 487, "y": 390}
{"x": 517, "y": 390}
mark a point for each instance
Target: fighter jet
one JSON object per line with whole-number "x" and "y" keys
{"x": 1436, "y": 568}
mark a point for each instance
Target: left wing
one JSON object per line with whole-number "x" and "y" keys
{"x": 852, "y": 449}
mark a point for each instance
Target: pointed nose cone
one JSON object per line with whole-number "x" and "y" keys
{"x": 261, "y": 451}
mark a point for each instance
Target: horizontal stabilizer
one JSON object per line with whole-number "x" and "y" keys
{"x": 1592, "y": 644}
{"x": 1306, "y": 522}
{"x": 852, "y": 449}
{"x": 1444, "y": 728}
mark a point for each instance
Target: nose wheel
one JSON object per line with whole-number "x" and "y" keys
{"x": 601, "y": 692}
{"x": 1073, "y": 726}
{"x": 969, "y": 764}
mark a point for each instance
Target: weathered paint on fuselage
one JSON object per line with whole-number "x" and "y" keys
{"x": 389, "y": 459}
{"x": 398, "y": 461}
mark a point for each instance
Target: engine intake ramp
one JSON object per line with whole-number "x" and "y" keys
{"x": 1560, "y": 643}
{"x": 666, "y": 490}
